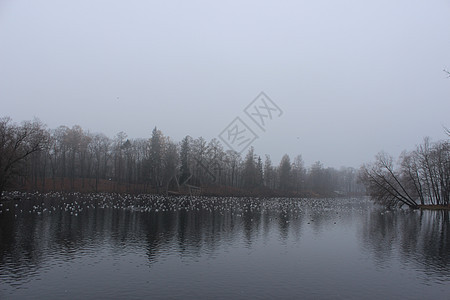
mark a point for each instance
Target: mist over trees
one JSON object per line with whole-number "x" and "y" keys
{"x": 72, "y": 159}
{"x": 421, "y": 177}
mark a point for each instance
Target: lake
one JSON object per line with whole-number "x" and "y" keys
{"x": 133, "y": 247}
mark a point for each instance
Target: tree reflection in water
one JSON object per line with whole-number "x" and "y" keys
{"x": 55, "y": 227}
{"x": 419, "y": 237}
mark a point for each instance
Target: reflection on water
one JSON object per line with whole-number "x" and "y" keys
{"x": 132, "y": 247}
{"x": 416, "y": 236}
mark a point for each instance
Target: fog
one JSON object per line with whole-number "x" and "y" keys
{"x": 350, "y": 77}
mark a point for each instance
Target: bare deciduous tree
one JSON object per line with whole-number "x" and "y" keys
{"x": 423, "y": 176}
{"x": 17, "y": 142}
{"x": 384, "y": 183}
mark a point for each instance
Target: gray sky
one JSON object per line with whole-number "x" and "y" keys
{"x": 351, "y": 77}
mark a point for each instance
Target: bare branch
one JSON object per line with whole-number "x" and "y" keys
{"x": 446, "y": 130}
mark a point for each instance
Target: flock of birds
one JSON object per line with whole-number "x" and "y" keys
{"x": 19, "y": 203}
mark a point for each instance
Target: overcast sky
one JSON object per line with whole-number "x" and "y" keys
{"x": 351, "y": 77}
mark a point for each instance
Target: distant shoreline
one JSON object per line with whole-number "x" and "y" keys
{"x": 433, "y": 207}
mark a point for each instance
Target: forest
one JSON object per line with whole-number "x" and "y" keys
{"x": 35, "y": 158}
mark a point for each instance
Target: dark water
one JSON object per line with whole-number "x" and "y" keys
{"x": 101, "y": 247}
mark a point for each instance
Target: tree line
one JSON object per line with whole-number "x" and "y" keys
{"x": 33, "y": 157}
{"x": 421, "y": 177}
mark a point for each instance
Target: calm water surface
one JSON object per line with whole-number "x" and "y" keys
{"x": 103, "y": 247}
